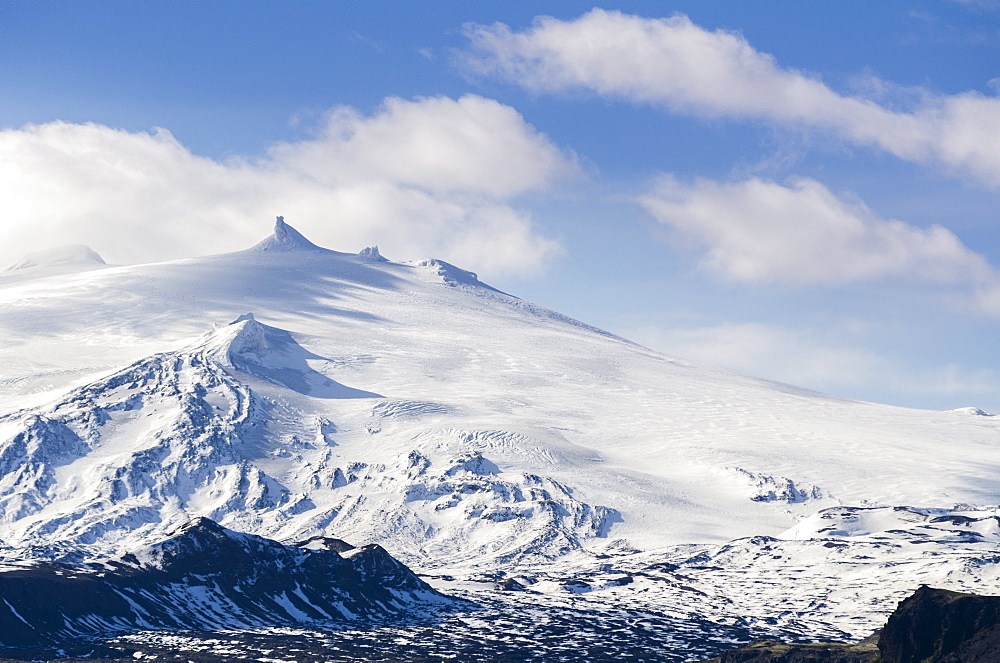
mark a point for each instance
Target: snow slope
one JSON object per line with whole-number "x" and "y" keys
{"x": 410, "y": 405}
{"x": 65, "y": 258}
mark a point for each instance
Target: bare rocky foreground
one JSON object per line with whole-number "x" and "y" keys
{"x": 513, "y": 631}
{"x": 931, "y": 626}
{"x": 206, "y": 577}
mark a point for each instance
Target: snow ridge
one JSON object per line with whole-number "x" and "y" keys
{"x": 76, "y": 255}
{"x": 129, "y": 455}
{"x": 455, "y": 276}
{"x": 185, "y": 434}
{"x": 247, "y": 346}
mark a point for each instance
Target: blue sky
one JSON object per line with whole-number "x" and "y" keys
{"x": 801, "y": 191}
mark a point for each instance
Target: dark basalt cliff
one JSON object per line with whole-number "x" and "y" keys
{"x": 930, "y": 626}
{"x": 940, "y": 626}
{"x": 206, "y": 577}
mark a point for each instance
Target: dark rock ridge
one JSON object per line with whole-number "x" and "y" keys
{"x": 930, "y": 626}
{"x": 206, "y": 577}
{"x": 940, "y": 626}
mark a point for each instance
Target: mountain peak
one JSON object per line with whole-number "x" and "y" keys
{"x": 198, "y": 525}
{"x": 273, "y": 354}
{"x": 286, "y": 238}
{"x": 242, "y": 339}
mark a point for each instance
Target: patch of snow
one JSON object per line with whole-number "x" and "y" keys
{"x": 16, "y": 613}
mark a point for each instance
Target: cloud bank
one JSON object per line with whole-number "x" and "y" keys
{"x": 801, "y": 233}
{"x": 679, "y": 66}
{"x": 427, "y": 177}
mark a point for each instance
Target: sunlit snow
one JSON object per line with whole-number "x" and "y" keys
{"x": 465, "y": 430}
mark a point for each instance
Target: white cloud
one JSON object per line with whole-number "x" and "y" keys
{"x": 673, "y": 63}
{"x": 426, "y": 177}
{"x": 472, "y": 145}
{"x": 985, "y": 298}
{"x": 801, "y": 233}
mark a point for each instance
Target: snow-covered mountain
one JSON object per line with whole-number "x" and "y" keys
{"x": 291, "y": 391}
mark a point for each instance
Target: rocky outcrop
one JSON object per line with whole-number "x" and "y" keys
{"x": 769, "y": 488}
{"x": 941, "y": 626}
{"x": 930, "y": 626}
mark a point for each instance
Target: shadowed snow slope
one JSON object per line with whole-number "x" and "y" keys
{"x": 272, "y": 354}
{"x": 411, "y": 405}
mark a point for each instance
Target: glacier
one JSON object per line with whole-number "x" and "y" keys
{"x": 290, "y": 391}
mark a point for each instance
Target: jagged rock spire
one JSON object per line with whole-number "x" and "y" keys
{"x": 285, "y": 238}
{"x": 371, "y": 253}
{"x": 280, "y": 229}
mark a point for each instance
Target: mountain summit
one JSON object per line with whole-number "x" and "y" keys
{"x": 286, "y": 238}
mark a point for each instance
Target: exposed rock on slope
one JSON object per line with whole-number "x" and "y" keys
{"x": 207, "y": 577}
{"x": 767, "y": 488}
{"x": 941, "y": 626}
{"x": 930, "y": 626}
